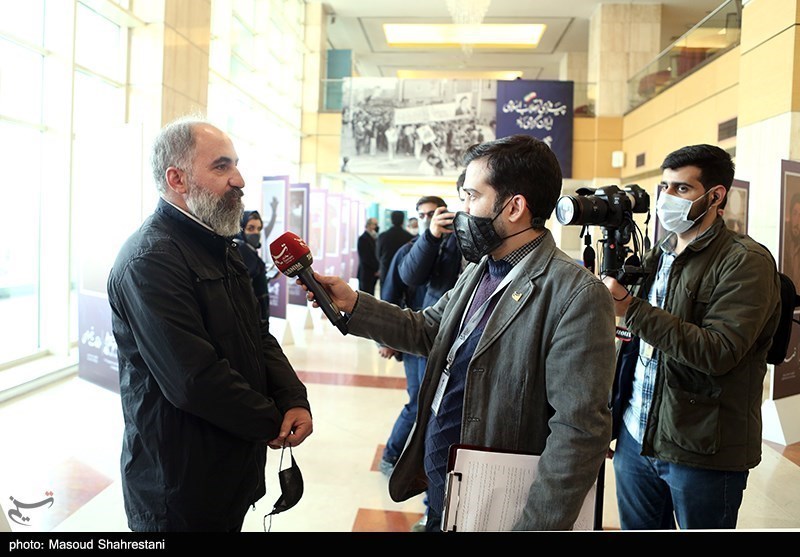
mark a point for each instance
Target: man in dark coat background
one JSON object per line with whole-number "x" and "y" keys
{"x": 368, "y": 264}
{"x": 389, "y": 242}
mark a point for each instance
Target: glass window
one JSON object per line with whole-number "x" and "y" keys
{"x": 23, "y": 20}
{"x": 42, "y": 107}
{"x": 19, "y": 259}
{"x": 98, "y": 44}
{"x": 245, "y": 9}
{"x": 20, "y": 82}
{"x": 256, "y": 54}
{"x": 242, "y": 39}
{"x": 97, "y": 102}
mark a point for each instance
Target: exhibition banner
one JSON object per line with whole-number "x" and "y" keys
{"x": 786, "y": 375}
{"x": 424, "y": 126}
{"x": 542, "y": 109}
{"x": 318, "y": 205}
{"x": 357, "y": 221}
{"x": 333, "y": 235}
{"x": 298, "y": 223}
{"x": 345, "y": 240}
{"x": 274, "y": 212}
{"x": 414, "y": 126}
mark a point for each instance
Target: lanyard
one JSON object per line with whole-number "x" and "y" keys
{"x": 467, "y": 328}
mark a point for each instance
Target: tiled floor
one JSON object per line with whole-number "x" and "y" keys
{"x": 60, "y": 451}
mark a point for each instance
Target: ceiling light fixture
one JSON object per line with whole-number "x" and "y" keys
{"x": 488, "y": 35}
{"x": 467, "y": 12}
{"x": 501, "y": 75}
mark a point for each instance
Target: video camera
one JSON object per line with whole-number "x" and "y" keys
{"x": 612, "y": 209}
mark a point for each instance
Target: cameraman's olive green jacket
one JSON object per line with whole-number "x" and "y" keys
{"x": 720, "y": 311}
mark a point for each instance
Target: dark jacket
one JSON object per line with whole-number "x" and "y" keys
{"x": 368, "y": 263}
{"x": 257, "y": 271}
{"x": 721, "y": 309}
{"x": 433, "y": 262}
{"x": 203, "y": 384}
{"x": 397, "y": 292}
{"x": 387, "y": 245}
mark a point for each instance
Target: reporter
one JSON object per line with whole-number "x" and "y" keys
{"x": 508, "y": 346}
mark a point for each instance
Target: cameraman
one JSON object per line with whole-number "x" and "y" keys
{"x": 688, "y": 390}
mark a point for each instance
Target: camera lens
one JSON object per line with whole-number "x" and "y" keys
{"x": 585, "y": 209}
{"x": 565, "y": 210}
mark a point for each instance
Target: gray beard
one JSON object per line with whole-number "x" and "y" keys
{"x": 221, "y": 214}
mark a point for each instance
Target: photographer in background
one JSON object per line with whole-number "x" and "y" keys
{"x": 687, "y": 395}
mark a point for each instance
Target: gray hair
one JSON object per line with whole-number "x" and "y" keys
{"x": 174, "y": 146}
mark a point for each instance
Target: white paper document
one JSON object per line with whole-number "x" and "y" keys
{"x": 487, "y": 490}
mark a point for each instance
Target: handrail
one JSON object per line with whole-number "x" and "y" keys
{"x": 715, "y": 34}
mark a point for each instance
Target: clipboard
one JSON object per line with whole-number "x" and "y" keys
{"x": 486, "y": 490}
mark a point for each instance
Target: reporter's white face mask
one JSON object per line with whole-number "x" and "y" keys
{"x": 673, "y": 212}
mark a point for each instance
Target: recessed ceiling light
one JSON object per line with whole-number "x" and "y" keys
{"x": 502, "y": 75}
{"x": 487, "y": 35}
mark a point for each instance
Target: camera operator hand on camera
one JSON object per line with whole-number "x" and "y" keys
{"x": 622, "y": 296}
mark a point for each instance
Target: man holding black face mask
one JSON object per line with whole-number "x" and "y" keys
{"x": 204, "y": 386}
{"x": 687, "y": 397}
{"x": 521, "y": 348}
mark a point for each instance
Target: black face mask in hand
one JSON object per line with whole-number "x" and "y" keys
{"x": 291, "y": 482}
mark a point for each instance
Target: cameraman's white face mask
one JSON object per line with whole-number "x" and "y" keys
{"x": 673, "y": 212}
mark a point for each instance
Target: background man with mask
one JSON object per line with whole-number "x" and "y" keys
{"x": 204, "y": 386}
{"x": 687, "y": 396}
{"x": 413, "y": 226}
{"x": 522, "y": 346}
{"x": 367, "y": 258}
{"x": 248, "y": 241}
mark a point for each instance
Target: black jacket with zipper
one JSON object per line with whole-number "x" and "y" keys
{"x": 204, "y": 386}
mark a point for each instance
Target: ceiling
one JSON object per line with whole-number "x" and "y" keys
{"x": 357, "y": 25}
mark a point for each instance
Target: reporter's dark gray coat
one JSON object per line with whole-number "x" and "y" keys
{"x": 539, "y": 381}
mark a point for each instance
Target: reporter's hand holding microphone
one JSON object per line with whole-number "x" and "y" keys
{"x": 333, "y": 295}
{"x": 338, "y": 290}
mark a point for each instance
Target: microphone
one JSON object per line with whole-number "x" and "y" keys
{"x": 292, "y": 257}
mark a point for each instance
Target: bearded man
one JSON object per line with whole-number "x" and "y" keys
{"x": 205, "y": 388}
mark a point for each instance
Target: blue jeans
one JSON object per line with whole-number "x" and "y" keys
{"x": 414, "y": 368}
{"x": 649, "y": 491}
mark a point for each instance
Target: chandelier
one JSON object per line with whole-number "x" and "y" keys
{"x": 467, "y": 12}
